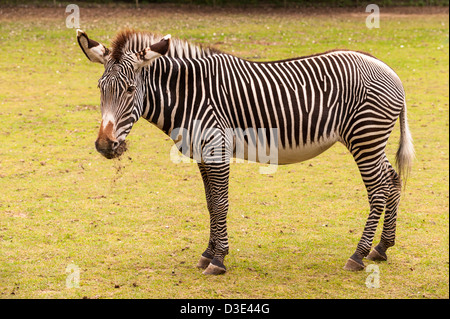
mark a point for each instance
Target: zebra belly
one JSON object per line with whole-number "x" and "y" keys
{"x": 302, "y": 153}
{"x": 283, "y": 155}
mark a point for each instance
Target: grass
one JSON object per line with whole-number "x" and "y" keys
{"x": 135, "y": 227}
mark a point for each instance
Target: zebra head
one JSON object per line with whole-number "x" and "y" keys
{"x": 121, "y": 87}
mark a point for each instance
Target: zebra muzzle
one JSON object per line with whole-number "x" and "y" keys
{"x": 107, "y": 145}
{"x": 110, "y": 149}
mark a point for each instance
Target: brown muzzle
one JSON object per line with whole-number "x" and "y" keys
{"x": 106, "y": 144}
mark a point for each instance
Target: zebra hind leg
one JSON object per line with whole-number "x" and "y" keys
{"x": 390, "y": 217}
{"x": 206, "y": 258}
{"x": 373, "y": 175}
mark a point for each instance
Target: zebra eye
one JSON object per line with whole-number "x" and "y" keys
{"x": 131, "y": 89}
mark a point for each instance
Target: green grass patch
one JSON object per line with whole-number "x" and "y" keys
{"x": 135, "y": 228}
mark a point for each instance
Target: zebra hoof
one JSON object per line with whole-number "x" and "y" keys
{"x": 214, "y": 270}
{"x": 376, "y": 255}
{"x": 353, "y": 265}
{"x": 215, "y": 267}
{"x": 204, "y": 262}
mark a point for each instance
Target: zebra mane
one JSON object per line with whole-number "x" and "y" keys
{"x": 131, "y": 41}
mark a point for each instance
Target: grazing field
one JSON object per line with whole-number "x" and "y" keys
{"x": 135, "y": 227}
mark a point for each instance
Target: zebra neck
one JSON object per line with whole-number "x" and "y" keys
{"x": 175, "y": 91}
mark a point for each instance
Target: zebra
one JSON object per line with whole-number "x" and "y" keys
{"x": 310, "y": 102}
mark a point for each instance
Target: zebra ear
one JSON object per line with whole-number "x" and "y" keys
{"x": 94, "y": 51}
{"x": 146, "y": 56}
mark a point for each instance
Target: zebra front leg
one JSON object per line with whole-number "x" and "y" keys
{"x": 208, "y": 254}
{"x": 215, "y": 178}
{"x": 390, "y": 217}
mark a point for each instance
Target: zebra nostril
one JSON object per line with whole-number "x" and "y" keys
{"x": 115, "y": 145}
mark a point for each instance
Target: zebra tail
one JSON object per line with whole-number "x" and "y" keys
{"x": 405, "y": 153}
